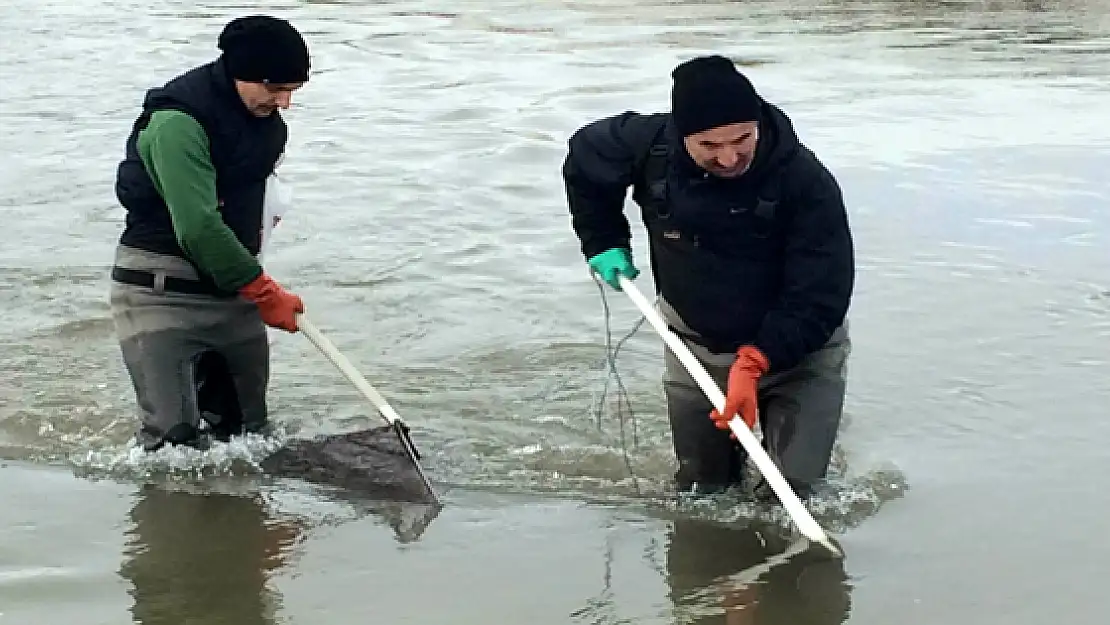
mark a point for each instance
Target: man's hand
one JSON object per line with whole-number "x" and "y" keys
{"x": 277, "y": 306}
{"x": 743, "y": 382}
{"x": 613, "y": 262}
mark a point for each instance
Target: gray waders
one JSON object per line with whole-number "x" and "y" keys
{"x": 799, "y": 411}
{"x": 199, "y": 361}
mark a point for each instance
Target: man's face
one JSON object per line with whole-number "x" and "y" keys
{"x": 262, "y": 99}
{"x": 725, "y": 151}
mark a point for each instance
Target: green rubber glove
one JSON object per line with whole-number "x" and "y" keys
{"x": 612, "y": 262}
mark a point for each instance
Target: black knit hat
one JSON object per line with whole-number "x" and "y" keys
{"x": 709, "y": 92}
{"x": 259, "y": 48}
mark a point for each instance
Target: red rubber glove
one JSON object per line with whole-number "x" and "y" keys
{"x": 743, "y": 381}
{"x": 277, "y": 306}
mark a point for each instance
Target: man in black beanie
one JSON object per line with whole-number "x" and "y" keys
{"x": 753, "y": 261}
{"x": 189, "y": 297}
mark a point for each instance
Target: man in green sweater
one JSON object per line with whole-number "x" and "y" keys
{"x": 189, "y": 298}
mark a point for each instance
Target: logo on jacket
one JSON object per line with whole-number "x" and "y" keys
{"x": 673, "y": 235}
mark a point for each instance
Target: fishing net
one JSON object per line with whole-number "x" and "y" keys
{"x": 378, "y": 463}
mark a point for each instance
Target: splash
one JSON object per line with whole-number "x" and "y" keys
{"x": 239, "y": 456}
{"x": 840, "y": 503}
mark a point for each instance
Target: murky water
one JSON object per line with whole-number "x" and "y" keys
{"x": 432, "y": 244}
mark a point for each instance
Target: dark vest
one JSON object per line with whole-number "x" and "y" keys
{"x": 716, "y": 251}
{"x": 244, "y": 149}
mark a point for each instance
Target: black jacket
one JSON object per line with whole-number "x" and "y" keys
{"x": 244, "y": 148}
{"x": 764, "y": 259}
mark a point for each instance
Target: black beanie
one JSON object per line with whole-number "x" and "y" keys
{"x": 709, "y": 92}
{"x": 259, "y": 48}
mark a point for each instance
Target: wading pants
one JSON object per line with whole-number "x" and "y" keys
{"x": 195, "y": 359}
{"x": 799, "y": 413}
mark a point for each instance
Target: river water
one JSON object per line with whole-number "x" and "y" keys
{"x": 431, "y": 243}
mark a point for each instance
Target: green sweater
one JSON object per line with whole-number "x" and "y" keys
{"x": 174, "y": 150}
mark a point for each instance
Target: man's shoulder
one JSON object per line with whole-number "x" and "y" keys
{"x": 174, "y": 130}
{"x": 189, "y": 91}
{"x": 647, "y": 126}
{"x": 173, "y": 122}
{"x": 184, "y": 80}
{"x": 806, "y": 183}
{"x": 797, "y": 160}
{"x": 628, "y": 125}
{"x": 802, "y": 167}
{"x": 650, "y": 120}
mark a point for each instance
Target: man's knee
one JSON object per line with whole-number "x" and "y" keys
{"x": 249, "y": 366}
{"x": 706, "y": 456}
{"x": 216, "y": 395}
{"x": 802, "y": 412}
{"x": 161, "y": 366}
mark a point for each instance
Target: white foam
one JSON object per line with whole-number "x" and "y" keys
{"x": 130, "y": 460}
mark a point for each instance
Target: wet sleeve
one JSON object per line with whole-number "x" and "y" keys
{"x": 819, "y": 275}
{"x": 174, "y": 150}
{"x": 597, "y": 172}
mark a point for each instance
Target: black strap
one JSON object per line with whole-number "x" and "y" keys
{"x": 650, "y": 166}
{"x": 170, "y": 283}
{"x": 655, "y": 177}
